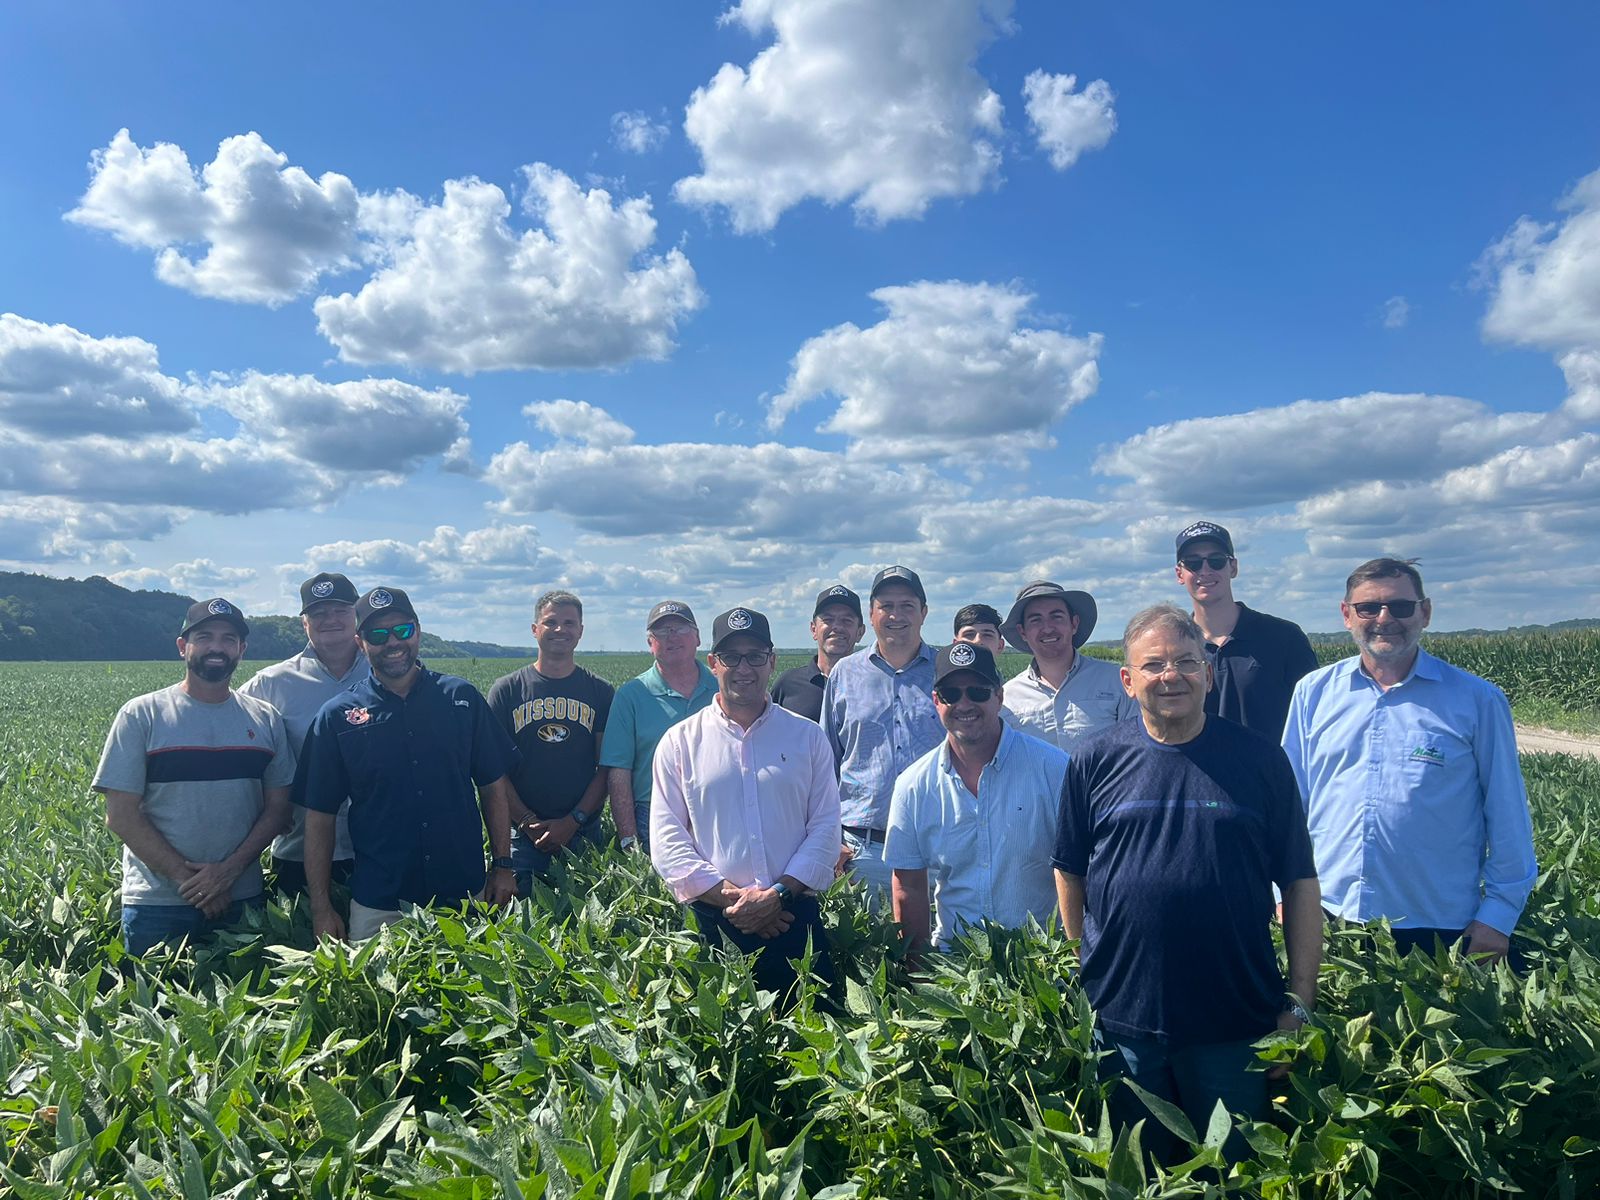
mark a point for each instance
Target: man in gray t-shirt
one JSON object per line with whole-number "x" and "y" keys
{"x": 298, "y": 687}
{"x": 196, "y": 780}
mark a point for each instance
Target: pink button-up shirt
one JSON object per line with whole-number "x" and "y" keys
{"x": 745, "y": 805}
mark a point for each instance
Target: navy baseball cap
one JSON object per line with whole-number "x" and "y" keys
{"x": 899, "y": 574}
{"x": 670, "y": 608}
{"x": 737, "y": 621}
{"x": 385, "y": 602}
{"x": 215, "y": 608}
{"x": 1205, "y": 531}
{"x": 326, "y": 586}
{"x": 838, "y": 594}
{"x": 965, "y": 656}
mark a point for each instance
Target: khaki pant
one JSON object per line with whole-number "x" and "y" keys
{"x": 364, "y": 921}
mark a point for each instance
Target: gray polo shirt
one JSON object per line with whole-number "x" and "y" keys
{"x": 1090, "y": 698}
{"x": 298, "y": 687}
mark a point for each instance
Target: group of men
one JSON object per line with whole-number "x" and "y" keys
{"x": 1161, "y": 809}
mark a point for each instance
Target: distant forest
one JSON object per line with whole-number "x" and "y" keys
{"x": 96, "y": 620}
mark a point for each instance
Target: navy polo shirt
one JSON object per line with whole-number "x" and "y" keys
{"x": 799, "y": 690}
{"x": 1256, "y": 671}
{"x": 409, "y": 766}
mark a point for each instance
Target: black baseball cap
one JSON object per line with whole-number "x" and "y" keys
{"x": 898, "y": 574}
{"x": 670, "y": 608}
{"x": 326, "y": 586}
{"x": 965, "y": 656}
{"x": 838, "y": 594}
{"x": 385, "y": 602}
{"x": 1081, "y": 603}
{"x": 1205, "y": 531}
{"x": 217, "y": 609}
{"x": 737, "y": 621}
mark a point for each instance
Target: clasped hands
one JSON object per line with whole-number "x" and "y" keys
{"x": 757, "y": 910}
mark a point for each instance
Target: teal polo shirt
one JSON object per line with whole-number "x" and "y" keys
{"x": 644, "y": 709}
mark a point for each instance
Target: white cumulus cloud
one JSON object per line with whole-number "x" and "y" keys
{"x": 464, "y": 291}
{"x": 578, "y": 421}
{"x": 637, "y": 132}
{"x": 1396, "y": 312}
{"x": 1544, "y": 278}
{"x": 246, "y": 227}
{"x": 950, "y": 361}
{"x": 874, "y": 102}
{"x": 1069, "y": 123}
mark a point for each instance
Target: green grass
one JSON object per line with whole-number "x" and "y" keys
{"x": 582, "y": 1045}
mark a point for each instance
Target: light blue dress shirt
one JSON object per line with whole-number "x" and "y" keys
{"x": 1414, "y": 796}
{"x": 879, "y": 721}
{"x": 987, "y": 856}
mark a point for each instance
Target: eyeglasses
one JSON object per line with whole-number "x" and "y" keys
{"x": 1215, "y": 561}
{"x": 756, "y": 658}
{"x": 675, "y": 630}
{"x": 1184, "y": 666}
{"x": 951, "y": 693}
{"x": 1400, "y": 609}
{"x": 377, "y": 637}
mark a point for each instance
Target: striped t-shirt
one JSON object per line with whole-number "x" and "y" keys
{"x": 200, "y": 769}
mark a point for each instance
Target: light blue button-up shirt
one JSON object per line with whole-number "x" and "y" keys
{"x": 1414, "y": 796}
{"x": 879, "y": 721}
{"x": 987, "y": 856}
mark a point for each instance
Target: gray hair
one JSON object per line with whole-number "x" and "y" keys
{"x": 1162, "y": 616}
{"x": 551, "y": 599}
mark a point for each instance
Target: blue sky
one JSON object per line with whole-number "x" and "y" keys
{"x": 727, "y": 303}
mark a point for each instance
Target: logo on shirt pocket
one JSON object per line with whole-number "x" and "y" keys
{"x": 1428, "y": 754}
{"x": 357, "y": 716}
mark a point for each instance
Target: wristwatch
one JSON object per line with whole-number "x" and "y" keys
{"x": 784, "y": 894}
{"x": 580, "y": 818}
{"x": 1298, "y": 1011}
{"x": 501, "y": 863}
{"x": 627, "y": 843}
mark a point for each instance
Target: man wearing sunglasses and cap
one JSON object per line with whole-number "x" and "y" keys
{"x": 196, "y": 779}
{"x": 675, "y": 686}
{"x": 1062, "y": 696}
{"x": 836, "y": 627}
{"x": 410, "y": 748}
{"x": 744, "y": 819}
{"x": 977, "y": 813}
{"x": 1408, "y": 769}
{"x": 1256, "y": 658}
{"x": 298, "y": 687}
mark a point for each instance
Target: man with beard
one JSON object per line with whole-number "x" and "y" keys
{"x": 977, "y": 813}
{"x": 555, "y": 712}
{"x": 196, "y": 779}
{"x": 836, "y": 627}
{"x": 1408, "y": 769}
{"x": 406, "y": 746}
{"x": 298, "y": 687}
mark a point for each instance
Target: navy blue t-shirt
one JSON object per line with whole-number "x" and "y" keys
{"x": 1256, "y": 669}
{"x": 1180, "y": 847}
{"x": 409, "y": 767}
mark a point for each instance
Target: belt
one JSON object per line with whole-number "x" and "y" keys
{"x": 865, "y": 834}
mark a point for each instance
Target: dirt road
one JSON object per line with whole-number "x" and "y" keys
{"x": 1550, "y": 741}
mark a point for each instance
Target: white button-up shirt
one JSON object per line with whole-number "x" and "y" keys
{"x": 745, "y": 805}
{"x": 1090, "y": 698}
{"x": 987, "y": 856}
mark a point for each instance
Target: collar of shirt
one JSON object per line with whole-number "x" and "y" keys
{"x": 732, "y": 727}
{"x": 1426, "y": 667}
{"x": 657, "y": 685}
{"x": 382, "y": 695}
{"x": 312, "y": 665}
{"x": 1033, "y": 672}
{"x": 1002, "y": 752}
{"x": 924, "y": 654}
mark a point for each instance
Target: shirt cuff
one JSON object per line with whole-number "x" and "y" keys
{"x": 1499, "y": 915}
{"x": 694, "y": 885}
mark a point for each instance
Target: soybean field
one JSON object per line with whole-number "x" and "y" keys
{"x": 581, "y": 1044}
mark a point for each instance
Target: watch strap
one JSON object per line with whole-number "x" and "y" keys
{"x": 501, "y": 863}
{"x": 580, "y": 818}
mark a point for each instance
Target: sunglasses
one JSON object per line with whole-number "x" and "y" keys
{"x": 951, "y": 693}
{"x": 377, "y": 637}
{"x": 1401, "y": 609}
{"x": 1215, "y": 561}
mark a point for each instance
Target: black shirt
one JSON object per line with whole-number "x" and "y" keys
{"x": 800, "y": 691}
{"x": 408, "y": 765}
{"x": 1179, "y": 847}
{"x": 1256, "y": 671}
{"x": 555, "y": 724}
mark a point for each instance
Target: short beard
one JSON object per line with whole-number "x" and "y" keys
{"x": 212, "y": 673}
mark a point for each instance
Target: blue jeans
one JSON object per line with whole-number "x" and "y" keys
{"x": 1192, "y": 1077}
{"x": 527, "y": 860}
{"x": 641, "y": 822}
{"x": 867, "y": 865}
{"x": 145, "y": 926}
